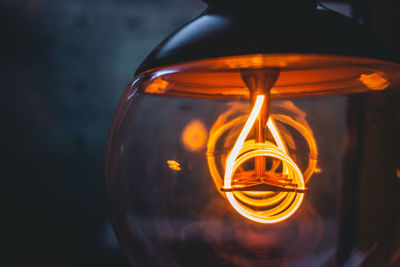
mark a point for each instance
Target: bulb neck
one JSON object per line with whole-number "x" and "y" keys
{"x": 260, "y": 81}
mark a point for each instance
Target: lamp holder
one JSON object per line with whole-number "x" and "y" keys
{"x": 267, "y": 27}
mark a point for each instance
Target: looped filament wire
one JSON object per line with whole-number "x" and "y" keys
{"x": 283, "y": 204}
{"x": 288, "y": 202}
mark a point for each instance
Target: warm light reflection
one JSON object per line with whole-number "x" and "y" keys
{"x": 194, "y": 136}
{"x": 375, "y": 81}
{"x": 174, "y": 165}
{"x": 299, "y": 75}
{"x": 157, "y": 86}
{"x": 264, "y": 204}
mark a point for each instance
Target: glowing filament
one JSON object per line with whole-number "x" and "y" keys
{"x": 239, "y": 143}
{"x": 282, "y": 204}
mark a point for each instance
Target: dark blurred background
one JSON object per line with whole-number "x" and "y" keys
{"x": 63, "y": 66}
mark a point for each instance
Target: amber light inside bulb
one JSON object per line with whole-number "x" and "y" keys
{"x": 258, "y": 171}
{"x": 214, "y": 161}
{"x": 276, "y": 195}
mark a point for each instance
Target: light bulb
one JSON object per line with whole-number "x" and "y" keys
{"x": 215, "y": 162}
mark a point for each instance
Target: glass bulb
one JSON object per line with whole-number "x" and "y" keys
{"x": 207, "y": 166}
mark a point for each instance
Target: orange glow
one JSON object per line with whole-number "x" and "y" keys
{"x": 174, "y": 165}
{"x": 375, "y": 81}
{"x": 158, "y": 86}
{"x": 263, "y": 206}
{"x": 300, "y": 75}
{"x": 291, "y": 203}
{"x": 194, "y": 136}
{"x": 239, "y": 143}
